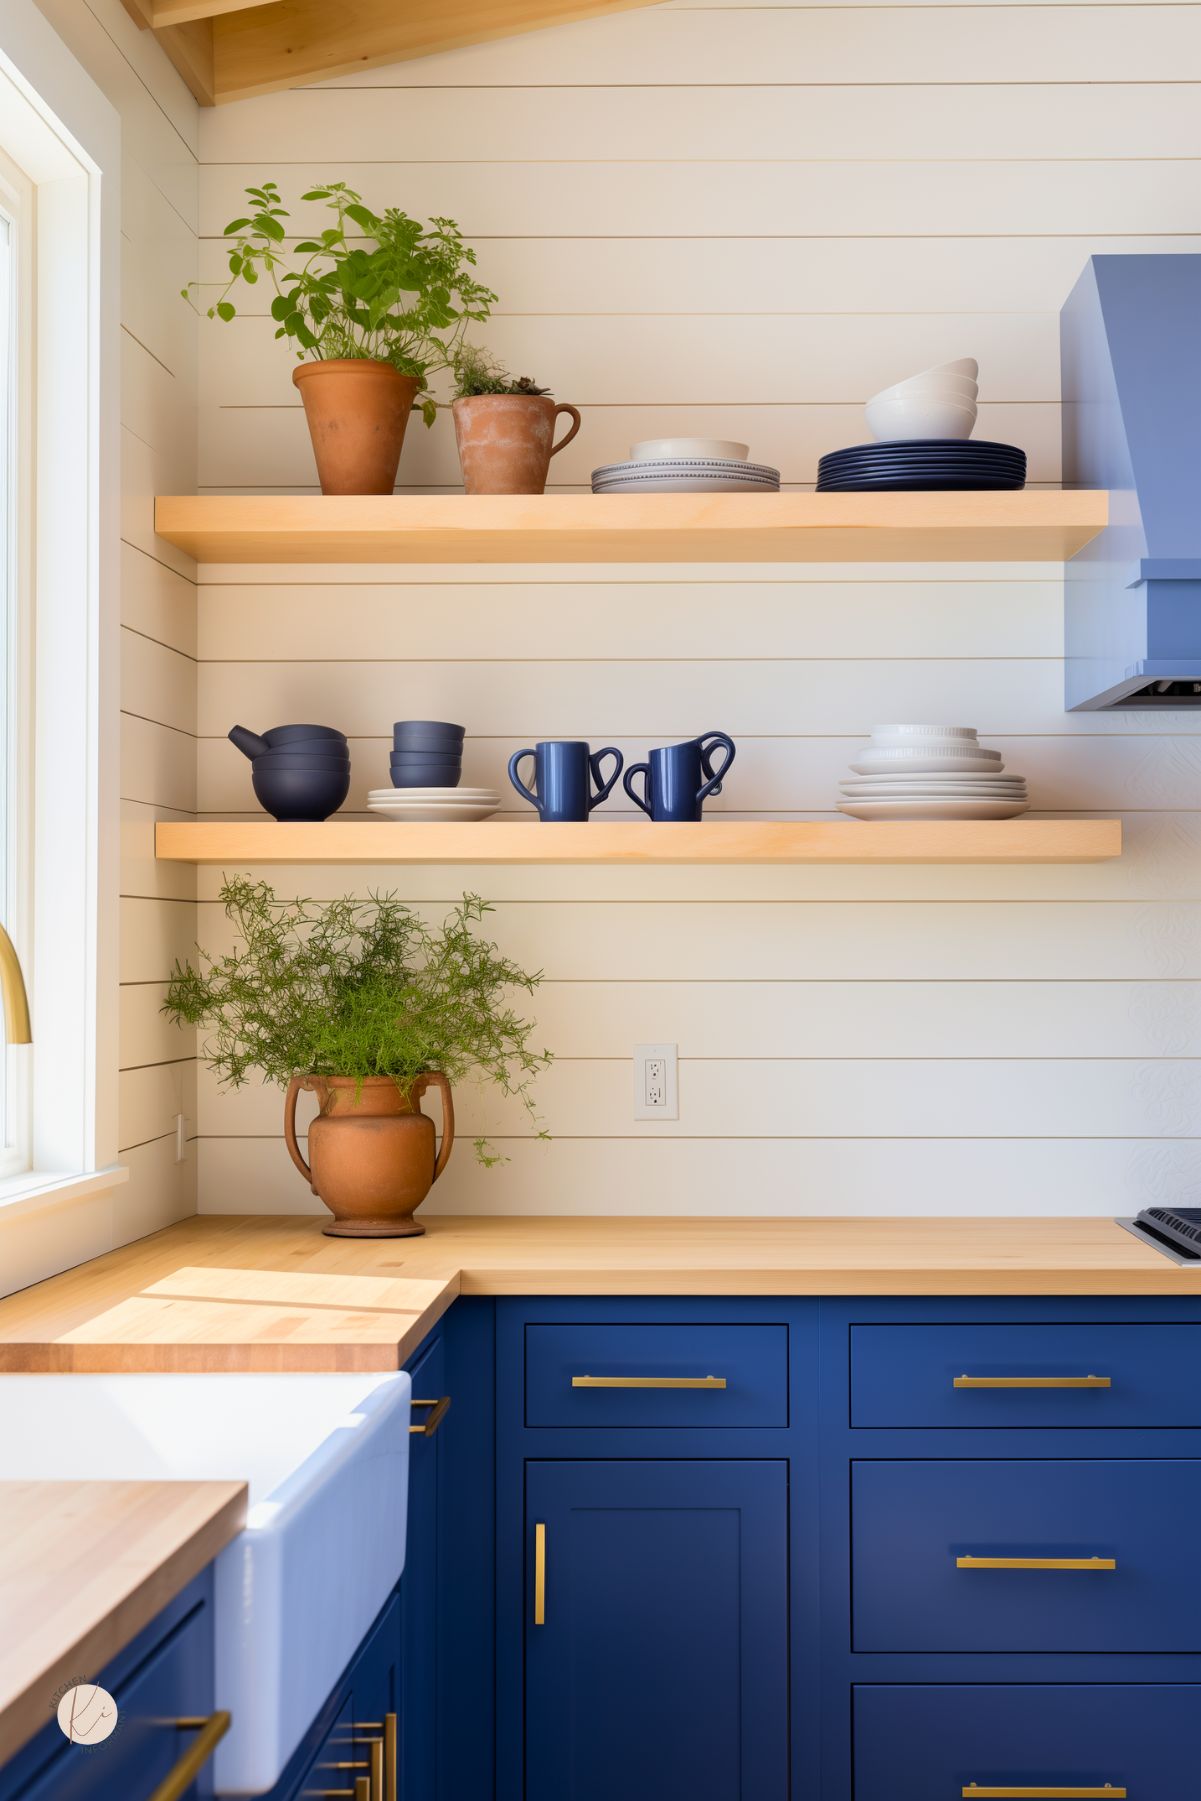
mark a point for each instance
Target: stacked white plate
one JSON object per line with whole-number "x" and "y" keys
{"x": 415, "y": 804}
{"x": 930, "y": 772}
{"x": 685, "y": 475}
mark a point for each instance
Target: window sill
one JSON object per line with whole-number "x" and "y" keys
{"x": 33, "y": 1189}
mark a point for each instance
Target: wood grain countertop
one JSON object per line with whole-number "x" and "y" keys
{"x": 262, "y": 1292}
{"x": 84, "y": 1566}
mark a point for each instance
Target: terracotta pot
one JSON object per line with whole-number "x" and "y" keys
{"x": 505, "y": 441}
{"x": 371, "y": 1151}
{"x": 356, "y": 414}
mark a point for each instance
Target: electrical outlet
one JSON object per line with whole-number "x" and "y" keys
{"x": 181, "y": 1138}
{"x": 656, "y": 1082}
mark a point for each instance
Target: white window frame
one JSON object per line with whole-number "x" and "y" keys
{"x": 64, "y": 135}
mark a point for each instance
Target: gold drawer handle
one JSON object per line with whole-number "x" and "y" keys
{"x": 1032, "y": 1382}
{"x": 539, "y": 1574}
{"x": 438, "y": 1412}
{"x": 1036, "y": 1563}
{"x": 384, "y": 1761}
{"x": 648, "y": 1382}
{"x": 209, "y": 1729}
{"x": 1108, "y": 1793}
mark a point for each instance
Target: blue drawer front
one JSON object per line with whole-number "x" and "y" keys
{"x": 751, "y": 1360}
{"x": 906, "y": 1375}
{"x": 929, "y": 1744}
{"x": 911, "y": 1521}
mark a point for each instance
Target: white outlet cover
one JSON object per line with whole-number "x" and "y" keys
{"x": 644, "y": 1056}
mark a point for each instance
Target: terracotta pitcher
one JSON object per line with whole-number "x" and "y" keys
{"x": 505, "y": 441}
{"x": 371, "y": 1151}
{"x": 356, "y": 413}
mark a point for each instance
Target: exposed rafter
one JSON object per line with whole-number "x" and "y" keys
{"x": 232, "y": 49}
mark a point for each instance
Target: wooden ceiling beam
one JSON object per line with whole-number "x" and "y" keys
{"x": 165, "y": 13}
{"x": 290, "y": 42}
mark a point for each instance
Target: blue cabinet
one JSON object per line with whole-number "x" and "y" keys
{"x": 657, "y": 1635}
{"x": 162, "y": 1679}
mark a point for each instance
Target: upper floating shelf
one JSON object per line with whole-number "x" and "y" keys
{"x": 634, "y": 842}
{"x": 1032, "y": 525}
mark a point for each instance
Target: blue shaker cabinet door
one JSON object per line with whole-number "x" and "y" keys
{"x": 1103, "y": 1740}
{"x": 660, "y": 1664}
{"x": 1095, "y": 1554}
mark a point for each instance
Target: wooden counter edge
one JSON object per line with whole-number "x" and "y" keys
{"x": 30, "y": 1709}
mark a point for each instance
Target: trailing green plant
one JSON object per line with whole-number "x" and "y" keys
{"x": 476, "y": 372}
{"x": 377, "y": 286}
{"x": 355, "y": 987}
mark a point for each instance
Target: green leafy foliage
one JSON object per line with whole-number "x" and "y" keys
{"x": 377, "y": 286}
{"x": 476, "y": 372}
{"x": 356, "y": 987}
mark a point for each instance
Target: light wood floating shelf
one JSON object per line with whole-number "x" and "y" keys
{"x": 635, "y": 841}
{"x": 1032, "y": 525}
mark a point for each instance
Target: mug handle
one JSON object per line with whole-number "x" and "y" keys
{"x": 605, "y": 788}
{"x": 708, "y": 743}
{"x": 516, "y": 780}
{"x": 565, "y": 441}
{"x": 627, "y": 783}
{"x": 294, "y": 1088}
{"x": 437, "y": 1079}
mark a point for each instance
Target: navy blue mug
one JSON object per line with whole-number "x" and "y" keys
{"x": 679, "y": 778}
{"x": 564, "y": 772}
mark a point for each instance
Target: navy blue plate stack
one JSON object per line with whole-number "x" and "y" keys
{"x": 930, "y": 464}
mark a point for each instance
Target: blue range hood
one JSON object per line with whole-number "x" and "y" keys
{"x": 1130, "y": 340}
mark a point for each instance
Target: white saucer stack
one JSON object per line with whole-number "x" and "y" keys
{"x": 416, "y": 804}
{"x": 686, "y": 466}
{"x": 930, "y": 772}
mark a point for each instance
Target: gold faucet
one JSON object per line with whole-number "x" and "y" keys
{"x": 12, "y": 988}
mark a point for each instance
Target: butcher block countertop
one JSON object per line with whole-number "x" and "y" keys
{"x": 83, "y": 1567}
{"x": 262, "y": 1292}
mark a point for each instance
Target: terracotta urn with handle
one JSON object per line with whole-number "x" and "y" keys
{"x": 373, "y": 1156}
{"x": 506, "y": 441}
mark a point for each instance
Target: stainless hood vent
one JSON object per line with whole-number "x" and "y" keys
{"x": 1130, "y": 342}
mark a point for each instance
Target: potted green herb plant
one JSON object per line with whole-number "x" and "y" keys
{"x": 504, "y": 427}
{"x": 374, "y": 304}
{"x": 367, "y": 1006}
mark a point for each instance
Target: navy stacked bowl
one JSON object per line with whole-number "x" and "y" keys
{"x": 426, "y": 753}
{"x": 305, "y": 772}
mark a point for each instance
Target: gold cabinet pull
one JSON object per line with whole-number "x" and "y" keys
{"x": 360, "y": 1792}
{"x": 1108, "y": 1793}
{"x": 648, "y": 1382}
{"x": 384, "y": 1762}
{"x": 1032, "y": 1382}
{"x": 1036, "y": 1563}
{"x": 209, "y": 1729}
{"x": 438, "y": 1411}
{"x": 539, "y": 1574}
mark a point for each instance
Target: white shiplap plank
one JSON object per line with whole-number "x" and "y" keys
{"x": 141, "y": 872}
{"x": 158, "y": 683}
{"x": 694, "y": 121}
{"x": 157, "y": 601}
{"x": 147, "y": 1035}
{"x": 656, "y": 702}
{"x": 736, "y": 273}
{"x": 155, "y": 934}
{"x": 158, "y": 764}
{"x": 772, "y": 1177}
{"x": 532, "y": 199}
{"x": 717, "y": 360}
{"x": 151, "y": 1098}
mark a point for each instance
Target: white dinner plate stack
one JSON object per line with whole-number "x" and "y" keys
{"x": 930, "y": 772}
{"x": 686, "y": 466}
{"x": 416, "y": 804}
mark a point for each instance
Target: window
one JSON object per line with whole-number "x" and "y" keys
{"x": 59, "y": 613}
{"x": 16, "y": 294}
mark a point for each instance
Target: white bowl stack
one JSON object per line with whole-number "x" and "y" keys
{"x": 930, "y": 772}
{"x": 416, "y": 804}
{"x": 939, "y": 403}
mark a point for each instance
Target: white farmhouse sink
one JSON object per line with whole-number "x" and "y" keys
{"x": 327, "y": 1463}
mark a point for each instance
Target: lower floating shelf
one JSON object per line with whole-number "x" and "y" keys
{"x": 635, "y": 841}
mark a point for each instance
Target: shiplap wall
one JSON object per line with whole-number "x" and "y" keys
{"x": 158, "y": 611}
{"x": 743, "y": 220}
